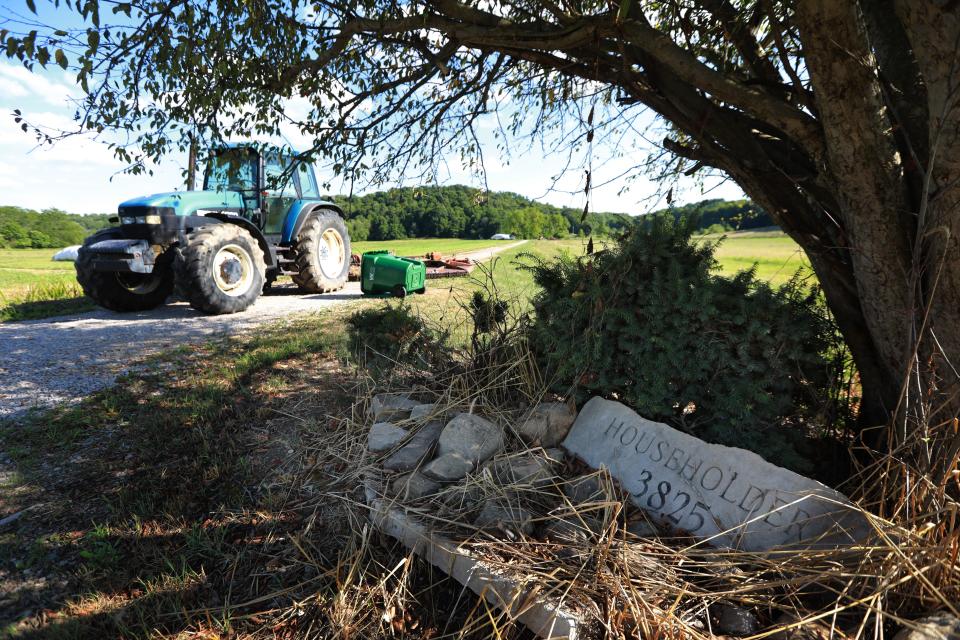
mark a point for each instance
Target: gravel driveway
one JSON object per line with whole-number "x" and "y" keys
{"x": 63, "y": 359}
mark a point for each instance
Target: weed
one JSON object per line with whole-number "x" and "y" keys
{"x": 98, "y": 550}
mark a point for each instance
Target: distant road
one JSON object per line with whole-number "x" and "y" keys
{"x": 63, "y": 359}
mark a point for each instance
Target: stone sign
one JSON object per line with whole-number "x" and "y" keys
{"x": 728, "y": 496}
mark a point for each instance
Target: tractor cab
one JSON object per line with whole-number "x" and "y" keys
{"x": 268, "y": 184}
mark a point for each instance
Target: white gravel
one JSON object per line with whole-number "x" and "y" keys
{"x": 62, "y": 359}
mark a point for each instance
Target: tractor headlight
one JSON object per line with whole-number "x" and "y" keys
{"x": 140, "y": 220}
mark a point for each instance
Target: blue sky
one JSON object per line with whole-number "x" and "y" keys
{"x": 80, "y": 175}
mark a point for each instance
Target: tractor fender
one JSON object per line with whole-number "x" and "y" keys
{"x": 299, "y": 213}
{"x": 268, "y": 257}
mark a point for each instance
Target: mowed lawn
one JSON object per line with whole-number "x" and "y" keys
{"x": 22, "y": 268}
{"x": 776, "y": 256}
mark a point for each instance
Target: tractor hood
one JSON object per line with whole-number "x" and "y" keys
{"x": 183, "y": 203}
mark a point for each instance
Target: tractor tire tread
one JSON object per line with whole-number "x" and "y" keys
{"x": 310, "y": 277}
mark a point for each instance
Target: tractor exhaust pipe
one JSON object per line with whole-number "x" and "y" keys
{"x": 192, "y": 166}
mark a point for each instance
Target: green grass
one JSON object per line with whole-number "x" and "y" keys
{"x": 166, "y": 514}
{"x": 34, "y": 286}
{"x": 420, "y": 246}
{"x": 22, "y": 268}
{"x": 776, "y": 256}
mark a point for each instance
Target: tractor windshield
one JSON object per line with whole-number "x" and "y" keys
{"x": 232, "y": 170}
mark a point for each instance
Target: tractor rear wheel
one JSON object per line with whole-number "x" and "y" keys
{"x": 322, "y": 253}
{"x": 123, "y": 291}
{"x": 221, "y": 269}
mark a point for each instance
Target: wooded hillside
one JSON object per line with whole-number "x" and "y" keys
{"x": 51, "y": 228}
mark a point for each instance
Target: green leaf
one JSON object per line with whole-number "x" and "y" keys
{"x": 93, "y": 39}
{"x": 32, "y": 6}
{"x": 61, "y": 58}
{"x": 11, "y": 46}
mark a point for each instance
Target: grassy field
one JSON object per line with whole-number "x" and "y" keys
{"x": 34, "y": 286}
{"x": 775, "y": 256}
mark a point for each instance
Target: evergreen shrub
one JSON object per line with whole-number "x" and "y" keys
{"x": 387, "y": 337}
{"x": 729, "y": 359}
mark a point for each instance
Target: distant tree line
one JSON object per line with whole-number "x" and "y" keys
{"x": 417, "y": 212}
{"x": 717, "y": 216}
{"x": 51, "y": 228}
{"x": 464, "y": 212}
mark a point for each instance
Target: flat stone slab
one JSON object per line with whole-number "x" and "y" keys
{"x": 547, "y": 424}
{"x": 384, "y": 436}
{"x": 471, "y": 437}
{"x": 517, "y": 596}
{"x": 448, "y": 468}
{"x": 415, "y": 449}
{"x": 728, "y": 496}
{"x": 413, "y": 486}
{"x": 391, "y": 406}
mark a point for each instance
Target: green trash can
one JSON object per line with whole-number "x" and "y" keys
{"x": 381, "y": 272}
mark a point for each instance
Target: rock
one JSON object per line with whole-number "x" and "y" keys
{"x": 470, "y": 437}
{"x": 416, "y": 449}
{"x": 548, "y": 424}
{"x": 422, "y": 411}
{"x": 448, "y": 468}
{"x": 642, "y": 529}
{"x": 463, "y": 496}
{"x": 413, "y": 486}
{"x": 391, "y": 406}
{"x": 731, "y": 620}
{"x": 503, "y": 516}
{"x": 524, "y": 468}
{"x": 384, "y": 436}
{"x": 584, "y": 489}
{"x": 939, "y": 626}
{"x": 705, "y": 489}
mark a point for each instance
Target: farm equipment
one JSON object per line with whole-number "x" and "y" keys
{"x": 258, "y": 216}
{"x": 382, "y": 272}
{"x": 436, "y": 265}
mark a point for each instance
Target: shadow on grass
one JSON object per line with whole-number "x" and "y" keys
{"x": 36, "y": 310}
{"x": 151, "y": 495}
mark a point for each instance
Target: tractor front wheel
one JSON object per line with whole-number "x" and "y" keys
{"x": 221, "y": 269}
{"x": 123, "y": 291}
{"x": 322, "y": 253}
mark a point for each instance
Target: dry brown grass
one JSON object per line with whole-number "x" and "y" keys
{"x": 660, "y": 587}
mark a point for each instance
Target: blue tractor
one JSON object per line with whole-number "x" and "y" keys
{"x": 259, "y": 216}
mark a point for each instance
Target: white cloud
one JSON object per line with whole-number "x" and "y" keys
{"x": 20, "y": 82}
